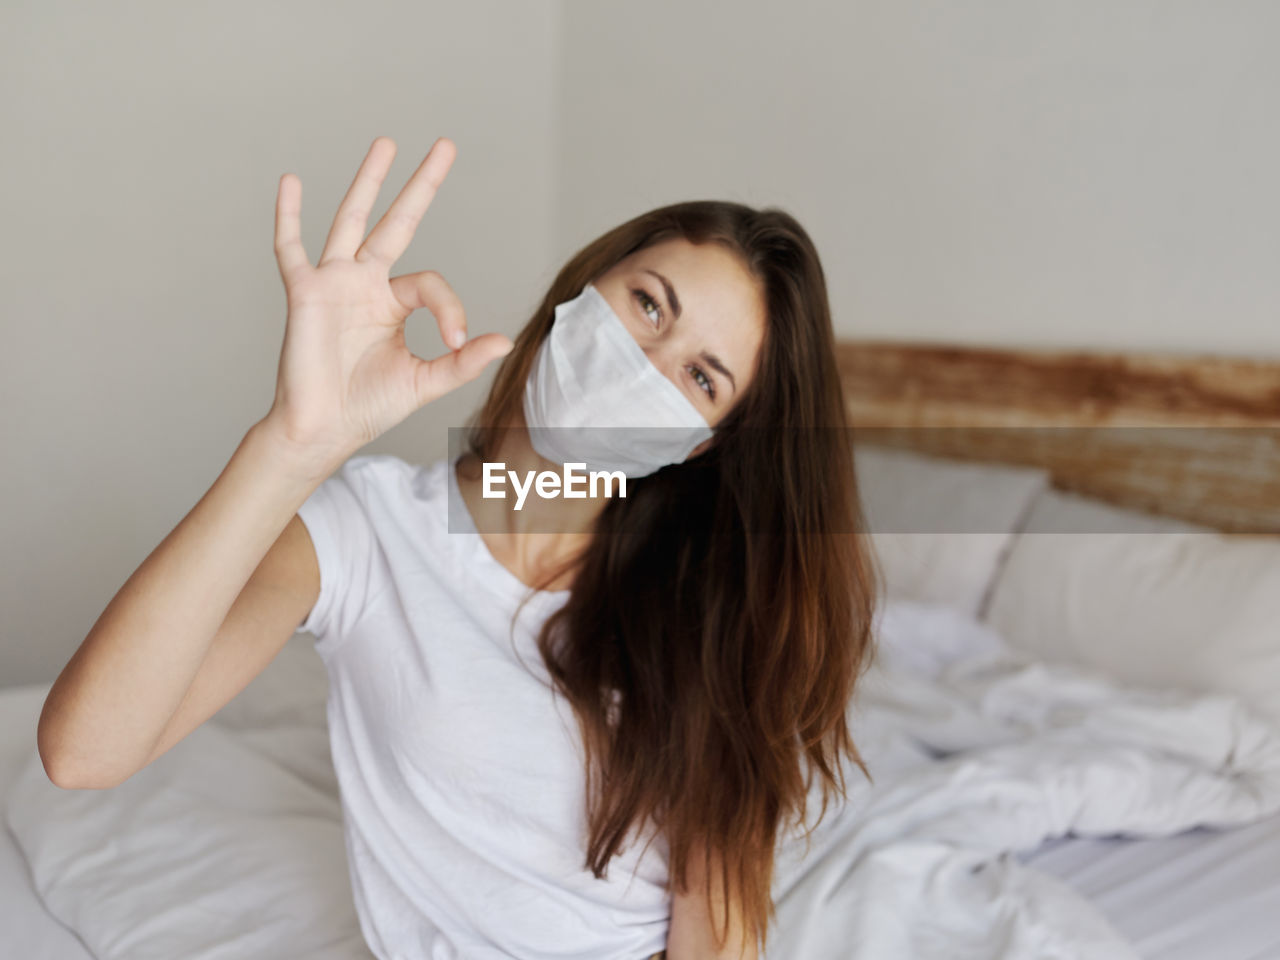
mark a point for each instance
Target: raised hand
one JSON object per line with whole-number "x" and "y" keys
{"x": 346, "y": 374}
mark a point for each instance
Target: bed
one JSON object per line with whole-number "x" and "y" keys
{"x": 1009, "y": 494}
{"x": 1127, "y": 445}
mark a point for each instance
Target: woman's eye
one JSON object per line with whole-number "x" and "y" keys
{"x": 702, "y": 380}
{"x": 646, "y": 302}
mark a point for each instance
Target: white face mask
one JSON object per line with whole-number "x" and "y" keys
{"x": 594, "y": 397}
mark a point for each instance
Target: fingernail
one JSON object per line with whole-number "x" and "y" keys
{"x": 457, "y": 339}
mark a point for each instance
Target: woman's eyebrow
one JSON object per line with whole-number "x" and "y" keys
{"x": 671, "y": 292}
{"x": 714, "y": 362}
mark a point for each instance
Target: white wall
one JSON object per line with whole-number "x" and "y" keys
{"x": 139, "y": 298}
{"x": 1085, "y": 174}
{"x": 1098, "y": 173}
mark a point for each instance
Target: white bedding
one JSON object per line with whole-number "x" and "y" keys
{"x": 27, "y": 929}
{"x": 1202, "y": 895}
{"x": 978, "y": 756}
{"x": 1039, "y": 751}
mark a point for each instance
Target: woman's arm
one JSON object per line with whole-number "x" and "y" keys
{"x": 693, "y": 926}
{"x": 345, "y": 377}
{"x": 106, "y": 714}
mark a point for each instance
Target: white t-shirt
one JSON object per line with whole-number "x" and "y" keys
{"x": 462, "y": 776}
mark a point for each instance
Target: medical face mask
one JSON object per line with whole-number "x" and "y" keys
{"x": 593, "y": 397}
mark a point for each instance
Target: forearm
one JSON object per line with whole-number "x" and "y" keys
{"x": 113, "y": 699}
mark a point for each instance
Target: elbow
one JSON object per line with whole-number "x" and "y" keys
{"x": 67, "y": 777}
{"x": 60, "y": 768}
{"x": 60, "y": 774}
{"x": 56, "y": 768}
{"x": 62, "y": 780}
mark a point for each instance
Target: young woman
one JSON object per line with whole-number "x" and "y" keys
{"x": 520, "y": 698}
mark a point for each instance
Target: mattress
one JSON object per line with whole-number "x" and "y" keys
{"x": 1202, "y": 895}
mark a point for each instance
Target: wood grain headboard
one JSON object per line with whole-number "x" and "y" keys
{"x": 1187, "y": 436}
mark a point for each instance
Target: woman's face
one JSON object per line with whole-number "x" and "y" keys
{"x": 697, "y": 314}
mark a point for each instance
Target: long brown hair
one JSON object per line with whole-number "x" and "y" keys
{"x": 735, "y": 626}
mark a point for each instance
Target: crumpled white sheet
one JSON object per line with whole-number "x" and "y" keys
{"x": 978, "y": 754}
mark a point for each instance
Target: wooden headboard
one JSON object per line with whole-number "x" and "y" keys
{"x": 1186, "y": 436}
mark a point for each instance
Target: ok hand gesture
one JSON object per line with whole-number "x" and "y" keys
{"x": 346, "y": 375}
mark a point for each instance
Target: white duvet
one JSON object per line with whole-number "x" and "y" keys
{"x": 978, "y": 755}
{"x": 230, "y": 845}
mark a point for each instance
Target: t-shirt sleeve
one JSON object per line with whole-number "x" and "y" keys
{"x": 337, "y": 518}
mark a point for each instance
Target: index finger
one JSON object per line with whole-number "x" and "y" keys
{"x": 391, "y": 235}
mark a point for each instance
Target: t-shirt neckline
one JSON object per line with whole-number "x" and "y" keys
{"x": 509, "y": 582}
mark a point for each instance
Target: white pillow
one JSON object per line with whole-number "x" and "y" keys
{"x": 940, "y": 528}
{"x": 228, "y": 845}
{"x": 1150, "y": 601}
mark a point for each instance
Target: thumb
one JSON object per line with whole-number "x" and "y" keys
{"x": 435, "y": 378}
